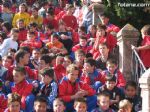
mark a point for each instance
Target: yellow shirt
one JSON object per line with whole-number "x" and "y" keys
{"x": 38, "y": 20}
{"x": 25, "y": 16}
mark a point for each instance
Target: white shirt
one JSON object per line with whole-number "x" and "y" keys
{"x": 6, "y": 45}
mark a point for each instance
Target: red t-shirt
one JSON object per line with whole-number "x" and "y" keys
{"x": 145, "y": 54}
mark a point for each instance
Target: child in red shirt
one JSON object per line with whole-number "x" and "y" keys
{"x": 70, "y": 89}
{"x": 144, "y": 49}
{"x": 32, "y": 42}
{"x": 103, "y": 37}
{"x": 23, "y": 88}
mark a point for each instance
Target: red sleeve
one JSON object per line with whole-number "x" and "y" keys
{"x": 111, "y": 41}
{"x": 101, "y": 78}
{"x": 3, "y": 103}
{"x": 62, "y": 92}
{"x": 75, "y": 38}
{"x": 121, "y": 81}
{"x": 75, "y": 48}
{"x": 33, "y": 74}
{"x": 9, "y": 76}
{"x": 88, "y": 88}
{"x": 75, "y": 26}
{"x": 85, "y": 79}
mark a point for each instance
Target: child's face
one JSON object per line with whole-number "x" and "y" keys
{"x": 66, "y": 62}
{"x": 18, "y": 77}
{"x": 25, "y": 59}
{"x": 7, "y": 62}
{"x": 103, "y": 102}
{"x": 40, "y": 107}
{"x": 53, "y": 39}
{"x": 73, "y": 76}
{"x": 79, "y": 57}
{"x": 110, "y": 84}
{"x": 58, "y": 106}
{"x": 92, "y": 30}
{"x": 80, "y": 107}
{"x": 104, "y": 20}
{"x": 111, "y": 67}
{"x": 130, "y": 91}
{"x": 14, "y": 107}
{"x": 103, "y": 50}
{"x": 35, "y": 54}
{"x": 42, "y": 64}
{"x": 46, "y": 79}
{"x": 88, "y": 68}
{"x": 100, "y": 32}
{"x": 83, "y": 42}
{"x": 30, "y": 37}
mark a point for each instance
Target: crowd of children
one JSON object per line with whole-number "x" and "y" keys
{"x": 52, "y": 59}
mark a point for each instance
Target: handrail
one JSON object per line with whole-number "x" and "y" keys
{"x": 138, "y": 67}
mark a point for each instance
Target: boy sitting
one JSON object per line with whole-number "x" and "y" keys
{"x": 40, "y": 104}
{"x": 14, "y": 103}
{"x": 111, "y": 65}
{"x": 103, "y": 103}
{"x": 80, "y": 105}
{"x": 23, "y": 88}
{"x": 55, "y": 46}
{"x": 110, "y": 87}
{"x": 131, "y": 95}
{"x": 49, "y": 87}
{"x": 70, "y": 89}
{"x": 90, "y": 75}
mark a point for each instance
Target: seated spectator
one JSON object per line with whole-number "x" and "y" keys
{"x": 10, "y": 42}
{"x": 40, "y": 104}
{"x": 31, "y": 42}
{"x": 6, "y": 14}
{"x": 90, "y": 75}
{"x": 80, "y": 105}
{"x": 3, "y": 99}
{"x": 36, "y": 18}
{"x": 49, "y": 86}
{"x": 65, "y": 36}
{"x": 67, "y": 61}
{"x": 59, "y": 105}
{"x": 23, "y": 88}
{"x": 7, "y": 61}
{"x": 103, "y": 37}
{"x": 103, "y": 56}
{"x": 92, "y": 34}
{"x": 3, "y": 36}
{"x": 82, "y": 45}
{"x": 72, "y": 25}
{"x": 55, "y": 46}
{"x": 111, "y": 28}
{"x": 6, "y": 27}
{"x": 111, "y": 88}
{"x": 131, "y": 95}
{"x": 3, "y": 70}
{"x": 70, "y": 89}
{"x": 144, "y": 48}
{"x": 11, "y": 52}
{"x": 22, "y": 31}
{"x": 125, "y": 106}
{"x": 14, "y": 103}
{"x": 112, "y": 69}
{"x": 22, "y": 14}
{"x": 103, "y": 103}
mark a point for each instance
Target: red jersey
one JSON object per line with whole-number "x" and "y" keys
{"x": 31, "y": 74}
{"x": 53, "y": 22}
{"x": 23, "y": 89}
{"x": 66, "y": 89}
{"x": 112, "y": 28}
{"x": 22, "y": 35}
{"x": 145, "y": 54}
{"x": 3, "y": 102}
{"x": 86, "y": 49}
{"x": 70, "y": 21}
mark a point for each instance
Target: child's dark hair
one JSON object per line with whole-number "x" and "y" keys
{"x": 44, "y": 50}
{"x": 81, "y": 100}
{"x": 100, "y": 26}
{"x": 7, "y": 25}
{"x": 83, "y": 37}
{"x": 54, "y": 35}
{"x": 41, "y": 98}
{"x": 111, "y": 61}
{"x": 13, "y": 97}
{"x": 83, "y": 28}
{"x": 20, "y": 54}
{"x": 0, "y": 58}
{"x": 22, "y": 70}
{"x": 3, "y": 35}
{"x": 49, "y": 26}
{"x": 9, "y": 57}
{"x": 46, "y": 59}
{"x": 104, "y": 93}
{"x": 32, "y": 24}
{"x": 90, "y": 61}
{"x": 71, "y": 67}
{"x": 111, "y": 78}
{"x": 12, "y": 50}
{"x": 132, "y": 84}
{"x": 47, "y": 71}
{"x": 25, "y": 48}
